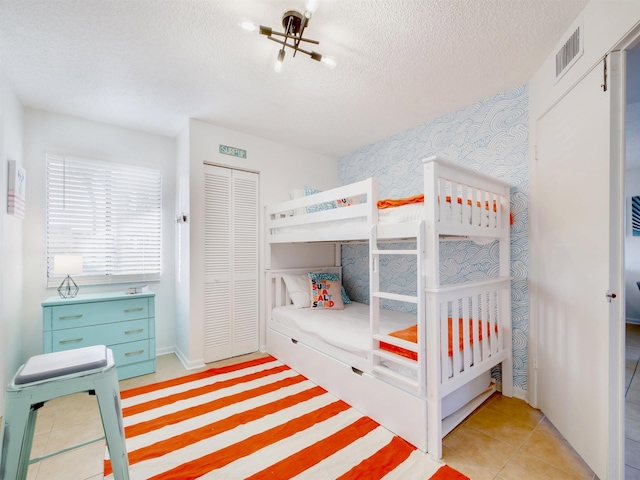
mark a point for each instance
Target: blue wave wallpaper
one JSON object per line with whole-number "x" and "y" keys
{"x": 489, "y": 136}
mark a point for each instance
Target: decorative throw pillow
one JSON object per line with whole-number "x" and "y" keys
{"x": 324, "y": 288}
{"x": 319, "y": 207}
{"x": 345, "y": 297}
{"x": 347, "y": 202}
{"x": 298, "y": 288}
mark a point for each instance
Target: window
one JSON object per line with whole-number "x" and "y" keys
{"x": 107, "y": 212}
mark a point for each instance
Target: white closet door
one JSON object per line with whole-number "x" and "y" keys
{"x": 575, "y": 233}
{"x": 245, "y": 262}
{"x": 231, "y": 263}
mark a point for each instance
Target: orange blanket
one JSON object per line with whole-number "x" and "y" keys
{"x": 398, "y": 202}
{"x": 410, "y": 334}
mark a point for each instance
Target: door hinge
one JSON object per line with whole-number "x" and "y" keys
{"x": 604, "y": 85}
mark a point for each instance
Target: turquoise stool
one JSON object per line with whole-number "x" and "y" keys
{"x": 52, "y": 375}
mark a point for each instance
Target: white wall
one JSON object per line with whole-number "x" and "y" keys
{"x": 281, "y": 169}
{"x": 11, "y": 239}
{"x": 632, "y": 249}
{"x": 48, "y": 132}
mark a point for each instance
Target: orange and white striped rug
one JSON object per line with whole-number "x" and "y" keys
{"x": 259, "y": 419}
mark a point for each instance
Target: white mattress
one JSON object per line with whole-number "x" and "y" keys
{"x": 387, "y": 216}
{"x": 346, "y": 329}
{"x": 413, "y": 212}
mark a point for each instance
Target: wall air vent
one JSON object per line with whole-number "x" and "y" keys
{"x": 569, "y": 53}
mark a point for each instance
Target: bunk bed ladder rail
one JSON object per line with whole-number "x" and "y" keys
{"x": 416, "y": 383}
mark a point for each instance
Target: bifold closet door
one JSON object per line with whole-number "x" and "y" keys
{"x": 231, "y": 263}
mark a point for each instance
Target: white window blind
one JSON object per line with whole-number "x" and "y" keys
{"x": 107, "y": 212}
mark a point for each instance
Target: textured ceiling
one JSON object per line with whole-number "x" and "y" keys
{"x": 152, "y": 64}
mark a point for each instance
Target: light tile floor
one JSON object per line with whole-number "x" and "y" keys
{"x": 504, "y": 439}
{"x": 632, "y": 403}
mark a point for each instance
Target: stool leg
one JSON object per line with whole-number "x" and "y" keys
{"x": 108, "y": 394}
{"x": 17, "y": 437}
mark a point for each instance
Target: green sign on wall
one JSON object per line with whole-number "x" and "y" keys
{"x": 233, "y": 151}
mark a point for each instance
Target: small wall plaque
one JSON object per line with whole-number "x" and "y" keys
{"x": 233, "y": 151}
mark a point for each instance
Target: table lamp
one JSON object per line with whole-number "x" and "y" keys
{"x": 67, "y": 265}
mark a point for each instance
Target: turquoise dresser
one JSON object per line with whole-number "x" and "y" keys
{"x": 124, "y": 323}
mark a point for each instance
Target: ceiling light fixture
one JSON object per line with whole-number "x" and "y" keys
{"x": 294, "y": 24}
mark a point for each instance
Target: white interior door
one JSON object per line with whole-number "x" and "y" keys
{"x": 231, "y": 263}
{"x": 576, "y": 324}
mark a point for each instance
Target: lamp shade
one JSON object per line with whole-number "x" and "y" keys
{"x": 67, "y": 264}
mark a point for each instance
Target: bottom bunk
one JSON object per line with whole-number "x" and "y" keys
{"x": 397, "y": 410}
{"x": 336, "y": 349}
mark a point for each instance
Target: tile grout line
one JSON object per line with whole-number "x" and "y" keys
{"x": 635, "y": 369}
{"x": 519, "y": 447}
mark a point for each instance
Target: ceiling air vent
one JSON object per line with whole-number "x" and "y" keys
{"x": 569, "y": 53}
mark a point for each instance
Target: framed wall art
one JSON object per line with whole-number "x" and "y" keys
{"x": 17, "y": 190}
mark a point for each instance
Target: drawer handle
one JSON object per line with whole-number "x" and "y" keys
{"x": 133, "y": 353}
{"x": 73, "y": 340}
{"x": 66, "y": 317}
{"x": 127, "y": 310}
{"x": 134, "y": 331}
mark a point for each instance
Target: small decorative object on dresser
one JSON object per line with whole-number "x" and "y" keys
{"x": 124, "y": 323}
{"x": 67, "y": 265}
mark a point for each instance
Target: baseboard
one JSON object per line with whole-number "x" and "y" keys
{"x": 520, "y": 393}
{"x": 189, "y": 365}
{"x": 517, "y": 392}
{"x": 633, "y": 321}
{"x": 165, "y": 351}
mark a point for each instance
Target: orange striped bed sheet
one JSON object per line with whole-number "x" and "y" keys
{"x": 398, "y": 202}
{"x": 410, "y": 334}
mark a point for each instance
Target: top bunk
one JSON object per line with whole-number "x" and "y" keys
{"x": 457, "y": 202}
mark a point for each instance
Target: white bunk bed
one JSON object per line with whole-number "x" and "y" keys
{"x": 411, "y": 387}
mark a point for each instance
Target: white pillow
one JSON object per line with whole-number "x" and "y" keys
{"x": 298, "y": 193}
{"x": 298, "y": 288}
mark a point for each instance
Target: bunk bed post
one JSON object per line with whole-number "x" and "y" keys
{"x": 374, "y": 289}
{"x": 505, "y": 301}
{"x": 337, "y": 254}
{"x": 505, "y": 241}
{"x": 432, "y": 282}
{"x": 374, "y": 272}
{"x": 421, "y": 308}
{"x": 505, "y": 316}
{"x": 372, "y": 201}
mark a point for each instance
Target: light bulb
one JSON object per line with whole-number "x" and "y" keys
{"x": 329, "y": 62}
{"x": 248, "y": 26}
{"x": 278, "y": 66}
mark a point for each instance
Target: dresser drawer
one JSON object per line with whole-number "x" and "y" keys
{"x": 107, "y": 334}
{"x": 83, "y": 314}
{"x": 124, "y": 323}
{"x": 127, "y": 353}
